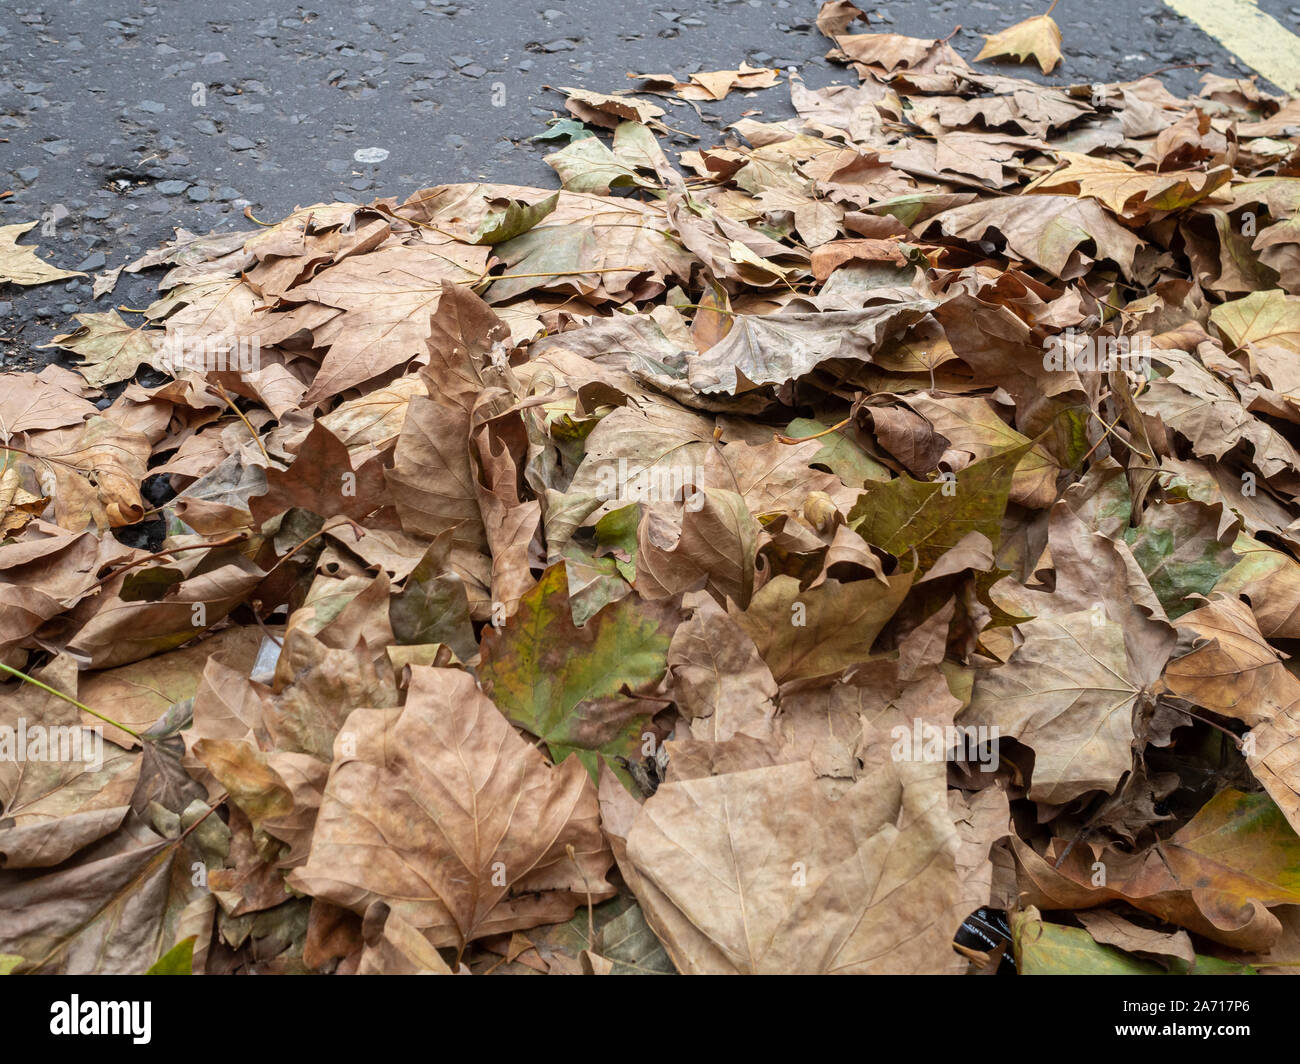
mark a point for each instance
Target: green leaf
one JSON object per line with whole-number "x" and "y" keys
{"x": 517, "y": 217}
{"x": 588, "y": 165}
{"x": 1053, "y": 949}
{"x": 9, "y": 962}
{"x": 179, "y": 960}
{"x": 1247, "y": 847}
{"x": 930, "y": 516}
{"x": 433, "y": 606}
{"x": 628, "y": 941}
{"x": 616, "y": 533}
{"x": 563, "y": 683}
{"x": 593, "y": 582}
{"x": 150, "y": 584}
{"x": 621, "y": 936}
{"x": 565, "y": 129}
{"x": 839, "y": 453}
{"x": 1179, "y": 548}
{"x": 802, "y": 633}
{"x": 602, "y": 576}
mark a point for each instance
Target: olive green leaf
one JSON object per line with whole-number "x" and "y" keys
{"x": 1053, "y": 949}
{"x": 567, "y": 684}
{"x": 179, "y": 960}
{"x": 432, "y": 606}
{"x": 931, "y": 516}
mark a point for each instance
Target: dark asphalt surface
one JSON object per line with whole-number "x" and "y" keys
{"x": 125, "y": 119}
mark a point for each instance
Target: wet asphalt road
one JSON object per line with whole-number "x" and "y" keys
{"x": 126, "y": 118}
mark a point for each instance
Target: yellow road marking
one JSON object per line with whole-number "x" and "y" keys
{"x": 1256, "y": 38}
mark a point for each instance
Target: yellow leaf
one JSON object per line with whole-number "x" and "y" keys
{"x": 20, "y": 265}
{"x": 1039, "y": 37}
{"x": 1118, "y": 185}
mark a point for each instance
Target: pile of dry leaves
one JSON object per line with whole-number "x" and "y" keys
{"x": 755, "y": 566}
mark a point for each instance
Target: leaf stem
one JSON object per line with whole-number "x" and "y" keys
{"x": 68, "y": 698}
{"x": 360, "y": 531}
{"x": 704, "y": 306}
{"x": 221, "y": 391}
{"x": 815, "y": 436}
{"x": 163, "y": 555}
{"x": 558, "y": 273}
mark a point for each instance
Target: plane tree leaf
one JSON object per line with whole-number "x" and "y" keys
{"x": 576, "y": 687}
{"x": 441, "y": 793}
{"x": 1037, "y": 38}
{"x": 1215, "y": 877}
{"x": 21, "y": 264}
{"x": 111, "y": 349}
{"x": 927, "y": 518}
{"x": 1262, "y": 318}
{"x": 1117, "y": 184}
{"x": 717, "y": 870}
{"x": 1043, "y": 948}
{"x": 770, "y": 517}
{"x": 112, "y": 913}
{"x": 1066, "y": 693}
